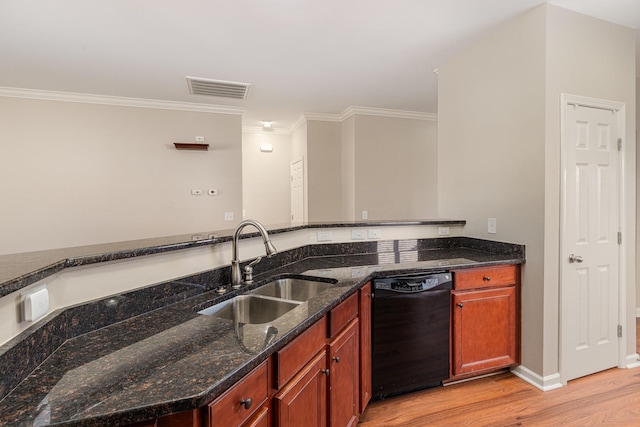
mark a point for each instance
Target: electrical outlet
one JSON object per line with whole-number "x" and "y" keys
{"x": 35, "y": 305}
{"x": 196, "y": 192}
{"x": 375, "y": 234}
{"x": 443, "y": 231}
{"x": 365, "y": 214}
{"x": 199, "y": 138}
{"x": 357, "y": 234}
{"x": 228, "y": 216}
{"x": 492, "y": 226}
{"x": 324, "y": 236}
{"x": 213, "y": 192}
{"x": 358, "y": 272}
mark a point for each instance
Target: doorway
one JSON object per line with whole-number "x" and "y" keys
{"x": 297, "y": 191}
{"x": 591, "y": 269}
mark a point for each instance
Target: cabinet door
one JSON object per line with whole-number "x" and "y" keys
{"x": 241, "y": 401}
{"x": 484, "y": 329}
{"x": 261, "y": 419}
{"x": 365, "y": 347}
{"x": 344, "y": 379}
{"x": 303, "y": 401}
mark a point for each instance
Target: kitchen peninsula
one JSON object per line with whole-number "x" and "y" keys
{"x": 145, "y": 352}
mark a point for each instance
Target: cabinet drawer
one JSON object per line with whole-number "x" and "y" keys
{"x": 298, "y": 352}
{"x": 340, "y": 316}
{"x": 228, "y": 410}
{"x": 485, "y": 277}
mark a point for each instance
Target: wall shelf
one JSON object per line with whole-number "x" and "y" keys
{"x": 191, "y": 146}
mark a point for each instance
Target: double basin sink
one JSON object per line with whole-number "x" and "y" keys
{"x": 268, "y": 302}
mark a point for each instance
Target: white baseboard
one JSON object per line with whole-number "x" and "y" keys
{"x": 550, "y": 382}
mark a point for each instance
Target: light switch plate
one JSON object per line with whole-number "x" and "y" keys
{"x": 492, "y": 226}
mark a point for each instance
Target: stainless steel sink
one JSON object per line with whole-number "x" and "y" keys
{"x": 250, "y": 309}
{"x": 292, "y": 289}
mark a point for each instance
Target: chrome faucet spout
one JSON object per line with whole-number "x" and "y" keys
{"x": 236, "y": 275}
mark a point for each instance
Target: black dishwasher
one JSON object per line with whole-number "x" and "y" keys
{"x": 410, "y": 349}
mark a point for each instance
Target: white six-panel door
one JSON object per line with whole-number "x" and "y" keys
{"x": 297, "y": 191}
{"x": 589, "y": 264}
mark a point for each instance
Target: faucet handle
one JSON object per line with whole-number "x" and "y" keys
{"x": 248, "y": 270}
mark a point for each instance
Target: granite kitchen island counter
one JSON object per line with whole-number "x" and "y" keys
{"x": 170, "y": 359}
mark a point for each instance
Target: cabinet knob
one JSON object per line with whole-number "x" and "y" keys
{"x": 325, "y": 371}
{"x": 246, "y": 403}
{"x": 336, "y": 359}
{"x": 460, "y": 305}
{"x": 486, "y": 278}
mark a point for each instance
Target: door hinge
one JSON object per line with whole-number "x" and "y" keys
{"x": 619, "y": 144}
{"x": 619, "y": 237}
{"x": 619, "y": 331}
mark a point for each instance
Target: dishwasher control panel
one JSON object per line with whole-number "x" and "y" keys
{"x": 412, "y": 284}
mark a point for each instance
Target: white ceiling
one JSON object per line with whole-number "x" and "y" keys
{"x": 314, "y": 56}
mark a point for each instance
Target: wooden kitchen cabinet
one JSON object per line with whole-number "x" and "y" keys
{"x": 366, "y": 386}
{"x": 344, "y": 377}
{"x": 484, "y": 316}
{"x": 236, "y": 406}
{"x": 303, "y": 401}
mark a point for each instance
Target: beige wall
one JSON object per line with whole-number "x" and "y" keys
{"x": 76, "y": 174}
{"x": 395, "y": 168}
{"x": 348, "y": 163}
{"x": 498, "y": 145}
{"x": 491, "y": 152}
{"x": 593, "y": 58}
{"x": 324, "y": 147}
{"x": 637, "y": 198}
{"x": 266, "y": 189}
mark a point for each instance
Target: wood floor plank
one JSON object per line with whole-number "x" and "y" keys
{"x": 608, "y": 398}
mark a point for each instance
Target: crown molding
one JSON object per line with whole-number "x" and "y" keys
{"x": 382, "y": 112}
{"x": 46, "y": 95}
{"x": 322, "y": 117}
{"x": 301, "y": 120}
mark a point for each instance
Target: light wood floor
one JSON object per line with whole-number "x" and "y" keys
{"x": 609, "y": 398}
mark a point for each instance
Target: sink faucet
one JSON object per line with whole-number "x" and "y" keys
{"x": 236, "y": 276}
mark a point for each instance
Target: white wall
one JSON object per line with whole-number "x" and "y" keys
{"x": 396, "y": 168}
{"x": 266, "y": 189}
{"x": 498, "y": 145}
{"x": 76, "y": 174}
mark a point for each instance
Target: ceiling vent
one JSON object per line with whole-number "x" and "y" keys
{"x": 219, "y": 88}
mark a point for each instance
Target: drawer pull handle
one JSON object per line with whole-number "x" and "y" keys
{"x": 460, "y": 305}
{"x": 325, "y": 371}
{"x": 486, "y": 278}
{"x": 336, "y": 359}
{"x": 246, "y": 403}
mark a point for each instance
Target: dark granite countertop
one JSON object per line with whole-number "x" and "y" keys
{"x": 20, "y": 270}
{"x": 172, "y": 359}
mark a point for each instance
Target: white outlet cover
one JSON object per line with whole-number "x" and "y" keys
{"x": 375, "y": 234}
{"x": 357, "y": 234}
{"x": 36, "y": 305}
{"x": 324, "y": 236}
{"x": 228, "y": 216}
